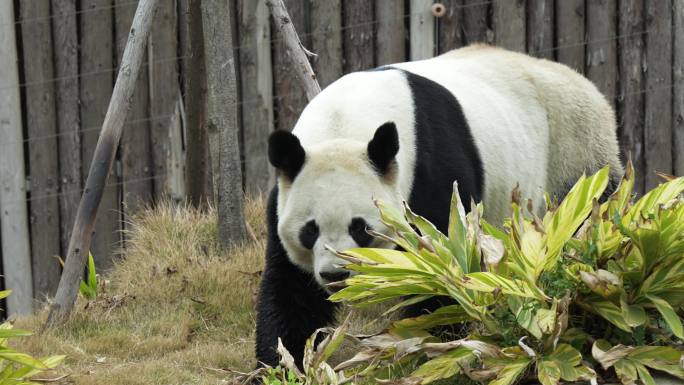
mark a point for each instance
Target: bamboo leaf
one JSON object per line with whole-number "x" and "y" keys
{"x": 669, "y": 315}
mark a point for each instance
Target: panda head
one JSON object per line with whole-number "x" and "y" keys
{"x": 325, "y": 196}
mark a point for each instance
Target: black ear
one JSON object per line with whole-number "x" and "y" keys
{"x": 286, "y": 153}
{"x": 383, "y": 147}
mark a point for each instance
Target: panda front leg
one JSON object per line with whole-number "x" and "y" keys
{"x": 291, "y": 304}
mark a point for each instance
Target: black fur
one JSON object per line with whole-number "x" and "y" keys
{"x": 309, "y": 234}
{"x": 383, "y": 147}
{"x": 291, "y": 304}
{"x": 357, "y": 230}
{"x": 286, "y": 153}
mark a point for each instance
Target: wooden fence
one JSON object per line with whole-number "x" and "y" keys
{"x": 58, "y": 60}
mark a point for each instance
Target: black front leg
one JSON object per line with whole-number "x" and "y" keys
{"x": 291, "y": 304}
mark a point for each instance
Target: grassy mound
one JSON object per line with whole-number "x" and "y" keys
{"x": 176, "y": 310}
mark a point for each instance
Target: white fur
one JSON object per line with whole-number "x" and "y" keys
{"x": 536, "y": 124}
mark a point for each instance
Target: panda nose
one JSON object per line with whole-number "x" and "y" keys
{"x": 335, "y": 275}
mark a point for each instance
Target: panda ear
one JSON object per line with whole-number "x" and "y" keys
{"x": 383, "y": 148}
{"x": 285, "y": 153}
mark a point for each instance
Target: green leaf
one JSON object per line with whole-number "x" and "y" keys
{"x": 669, "y": 315}
{"x": 511, "y": 371}
{"x": 21, "y": 358}
{"x": 610, "y": 312}
{"x": 658, "y": 196}
{"x": 634, "y": 315}
{"x": 548, "y": 372}
{"x": 9, "y": 333}
{"x": 458, "y": 231}
{"x": 489, "y": 282}
{"x": 444, "y": 366}
{"x": 5, "y": 293}
{"x": 446, "y": 315}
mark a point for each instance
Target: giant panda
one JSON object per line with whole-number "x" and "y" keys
{"x": 485, "y": 117}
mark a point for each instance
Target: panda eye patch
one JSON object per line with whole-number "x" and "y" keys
{"x": 357, "y": 230}
{"x": 309, "y": 234}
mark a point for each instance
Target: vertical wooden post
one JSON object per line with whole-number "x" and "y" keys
{"x": 222, "y": 117}
{"x": 257, "y": 93}
{"x": 135, "y": 141}
{"x": 540, "y": 42}
{"x": 103, "y": 160}
{"x": 164, "y": 91}
{"x": 41, "y": 119}
{"x": 65, "y": 49}
{"x": 509, "y": 24}
{"x": 451, "y": 26}
{"x": 194, "y": 73}
{"x": 290, "y": 98}
{"x": 601, "y": 50}
{"x": 570, "y": 15}
{"x": 678, "y": 92}
{"x": 326, "y": 40}
{"x": 16, "y": 254}
{"x": 359, "y": 41}
{"x": 422, "y": 30}
{"x": 390, "y": 44}
{"x": 631, "y": 99}
{"x": 96, "y": 89}
{"x": 475, "y": 21}
{"x": 658, "y": 108}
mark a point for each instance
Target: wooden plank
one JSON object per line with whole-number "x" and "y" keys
{"x": 631, "y": 99}
{"x": 540, "y": 28}
{"x": 451, "y": 26}
{"x": 658, "y": 105}
{"x": 16, "y": 254}
{"x": 136, "y": 162}
{"x": 41, "y": 119}
{"x": 326, "y": 40}
{"x": 570, "y": 33}
{"x": 96, "y": 90}
{"x": 290, "y": 98}
{"x": 422, "y": 34}
{"x": 257, "y": 92}
{"x": 359, "y": 41}
{"x": 164, "y": 90}
{"x": 509, "y": 24}
{"x": 678, "y": 92}
{"x": 475, "y": 27}
{"x": 65, "y": 48}
{"x": 390, "y": 16}
{"x": 176, "y": 182}
{"x": 601, "y": 49}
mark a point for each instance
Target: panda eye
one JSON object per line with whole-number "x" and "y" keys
{"x": 357, "y": 230}
{"x": 309, "y": 234}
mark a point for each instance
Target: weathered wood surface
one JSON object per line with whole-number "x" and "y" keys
{"x": 136, "y": 160}
{"x": 164, "y": 90}
{"x": 65, "y": 49}
{"x": 630, "y": 97}
{"x": 103, "y": 160}
{"x": 222, "y": 117}
{"x": 678, "y": 91}
{"x": 326, "y": 40}
{"x": 14, "y": 231}
{"x": 195, "y": 82}
{"x": 451, "y": 26}
{"x": 570, "y": 18}
{"x": 422, "y": 33}
{"x": 475, "y": 28}
{"x": 43, "y": 159}
{"x": 601, "y": 49}
{"x": 359, "y": 40}
{"x": 289, "y": 94}
{"x": 257, "y": 91}
{"x": 540, "y": 28}
{"x": 658, "y": 82}
{"x": 390, "y": 16}
{"x": 509, "y": 24}
{"x": 96, "y": 63}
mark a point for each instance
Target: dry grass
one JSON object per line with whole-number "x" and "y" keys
{"x": 175, "y": 310}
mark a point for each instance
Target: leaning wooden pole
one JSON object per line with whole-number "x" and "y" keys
{"x": 102, "y": 162}
{"x": 295, "y": 49}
